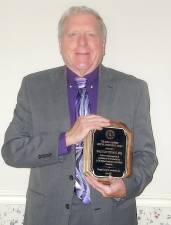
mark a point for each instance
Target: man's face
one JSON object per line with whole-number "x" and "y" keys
{"x": 82, "y": 44}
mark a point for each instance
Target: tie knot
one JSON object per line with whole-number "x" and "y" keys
{"x": 81, "y": 82}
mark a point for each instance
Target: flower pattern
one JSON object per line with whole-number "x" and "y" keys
{"x": 154, "y": 216}
{"x": 11, "y": 214}
{"x": 14, "y": 214}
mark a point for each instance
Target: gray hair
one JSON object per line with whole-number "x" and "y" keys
{"x": 75, "y": 10}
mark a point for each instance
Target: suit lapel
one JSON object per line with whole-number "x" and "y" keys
{"x": 106, "y": 93}
{"x": 60, "y": 98}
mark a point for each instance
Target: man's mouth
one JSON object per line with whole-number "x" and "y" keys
{"x": 82, "y": 53}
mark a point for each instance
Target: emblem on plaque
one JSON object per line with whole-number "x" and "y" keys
{"x": 110, "y": 134}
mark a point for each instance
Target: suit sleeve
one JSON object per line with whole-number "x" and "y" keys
{"x": 23, "y": 149}
{"x": 144, "y": 158}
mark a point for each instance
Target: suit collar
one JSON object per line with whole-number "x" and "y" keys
{"x": 60, "y": 97}
{"x": 106, "y": 93}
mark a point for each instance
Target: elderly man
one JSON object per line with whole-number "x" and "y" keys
{"x": 56, "y": 109}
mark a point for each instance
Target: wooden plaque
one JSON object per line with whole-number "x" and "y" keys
{"x": 108, "y": 152}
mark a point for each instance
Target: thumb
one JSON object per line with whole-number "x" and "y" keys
{"x": 111, "y": 179}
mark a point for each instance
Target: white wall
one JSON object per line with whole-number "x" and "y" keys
{"x": 138, "y": 43}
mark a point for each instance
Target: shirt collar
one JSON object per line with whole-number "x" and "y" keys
{"x": 91, "y": 77}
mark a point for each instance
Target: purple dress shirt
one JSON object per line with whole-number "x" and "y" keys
{"x": 92, "y": 89}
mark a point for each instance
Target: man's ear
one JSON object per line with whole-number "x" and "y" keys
{"x": 59, "y": 45}
{"x": 104, "y": 47}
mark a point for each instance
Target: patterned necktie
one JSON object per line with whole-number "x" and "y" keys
{"x": 82, "y": 109}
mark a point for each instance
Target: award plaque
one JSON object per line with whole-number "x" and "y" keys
{"x": 108, "y": 152}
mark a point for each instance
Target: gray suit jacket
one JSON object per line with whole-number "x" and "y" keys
{"x": 31, "y": 141}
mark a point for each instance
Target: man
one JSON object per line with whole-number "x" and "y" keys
{"x": 50, "y": 123}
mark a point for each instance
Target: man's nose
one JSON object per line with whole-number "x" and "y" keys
{"x": 82, "y": 40}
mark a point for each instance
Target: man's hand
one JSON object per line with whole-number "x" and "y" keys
{"x": 82, "y": 126}
{"x": 115, "y": 189}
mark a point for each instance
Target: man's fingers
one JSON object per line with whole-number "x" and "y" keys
{"x": 102, "y": 188}
{"x": 93, "y": 184}
{"x": 94, "y": 118}
{"x": 93, "y": 122}
{"x": 82, "y": 126}
{"x": 113, "y": 180}
{"x": 115, "y": 188}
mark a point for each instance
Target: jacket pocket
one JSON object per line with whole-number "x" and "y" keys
{"x": 35, "y": 205}
{"x": 122, "y": 204}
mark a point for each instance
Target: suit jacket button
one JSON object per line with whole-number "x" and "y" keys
{"x": 67, "y": 206}
{"x": 71, "y": 177}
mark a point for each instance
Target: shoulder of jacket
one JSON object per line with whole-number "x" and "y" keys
{"x": 44, "y": 74}
{"x": 121, "y": 77}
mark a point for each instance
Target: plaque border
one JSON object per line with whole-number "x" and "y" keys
{"x": 87, "y": 151}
